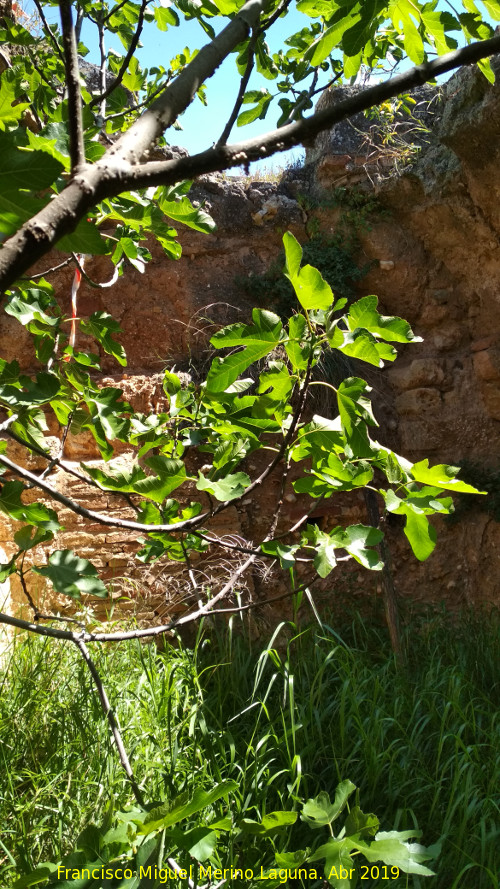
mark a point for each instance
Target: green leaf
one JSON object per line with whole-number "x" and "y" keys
{"x": 484, "y": 65}
{"x": 40, "y": 875}
{"x": 86, "y": 238}
{"x": 391, "y": 848}
{"x": 420, "y": 533}
{"x": 297, "y": 347}
{"x": 171, "y": 383}
{"x": 442, "y": 476}
{"x": 355, "y": 413}
{"x": 170, "y": 475}
{"x": 328, "y": 41}
{"x": 358, "y": 540}
{"x": 493, "y": 9}
{"x": 200, "y": 842}
{"x": 72, "y": 576}
{"x": 286, "y": 554}
{"x": 263, "y": 100}
{"x": 270, "y": 824}
{"x": 228, "y": 488}
{"x": 357, "y": 822}
{"x": 32, "y": 513}
{"x": 291, "y": 860}
{"x": 16, "y": 207}
{"x": 258, "y": 339}
{"x": 165, "y": 17}
{"x": 101, "y": 326}
{"x": 310, "y": 287}
{"x": 8, "y": 568}
{"x": 338, "y": 862}
{"x": 28, "y": 392}
{"x": 10, "y": 113}
{"x": 28, "y": 537}
{"x": 324, "y": 560}
{"x": 30, "y": 308}
{"x": 25, "y": 169}
{"x": 182, "y": 210}
{"x": 361, "y": 344}
{"x": 320, "y": 812}
{"x": 171, "y": 813}
{"x": 363, "y": 313}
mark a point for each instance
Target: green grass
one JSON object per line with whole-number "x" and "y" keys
{"x": 285, "y": 720}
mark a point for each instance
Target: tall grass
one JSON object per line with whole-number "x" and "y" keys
{"x": 285, "y": 719}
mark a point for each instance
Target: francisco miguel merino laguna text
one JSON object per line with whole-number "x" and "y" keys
{"x": 163, "y": 874}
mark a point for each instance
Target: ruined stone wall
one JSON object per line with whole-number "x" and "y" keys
{"x": 434, "y": 256}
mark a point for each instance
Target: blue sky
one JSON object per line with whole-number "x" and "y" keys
{"x": 202, "y": 126}
{"x": 159, "y": 47}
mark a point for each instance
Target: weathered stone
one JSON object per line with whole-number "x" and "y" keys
{"x": 487, "y": 364}
{"x": 418, "y": 401}
{"x": 423, "y": 372}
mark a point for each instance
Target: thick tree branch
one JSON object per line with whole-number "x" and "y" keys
{"x": 38, "y": 482}
{"x": 143, "y": 134}
{"x": 76, "y": 146}
{"x": 225, "y": 157}
{"x": 115, "y": 173}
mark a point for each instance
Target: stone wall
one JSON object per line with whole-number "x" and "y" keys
{"x": 434, "y": 256}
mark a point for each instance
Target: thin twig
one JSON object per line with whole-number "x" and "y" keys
{"x": 295, "y": 112}
{"x": 25, "y": 589}
{"x": 131, "y": 108}
{"x": 242, "y": 90}
{"x": 56, "y": 460}
{"x": 48, "y": 31}
{"x": 69, "y": 620}
{"x": 106, "y": 91}
{"x": 54, "y": 268}
{"x": 114, "y": 10}
{"x": 275, "y": 16}
{"x": 103, "y": 68}
{"x": 112, "y": 720}
{"x": 6, "y": 423}
{"x": 75, "y": 123}
{"x": 69, "y": 469}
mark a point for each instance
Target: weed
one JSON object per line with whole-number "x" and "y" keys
{"x": 284, "y": 719}
{"x": 333, "y": 256}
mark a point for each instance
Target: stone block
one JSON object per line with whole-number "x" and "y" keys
{"x": 418, "y": 401}
{"x": 487, "y": 364}
{"x": 424, "y": 372}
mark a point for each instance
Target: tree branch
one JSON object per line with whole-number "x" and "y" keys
{"x": 179, "y": 94}
{"x": 96, "y": 284}
{"x": 106, "y": 91}
{"x": 121, "y": 636}
{"x": 241, "y": 92}
{"x": 282, "y": 8}
{"x": 76, "y": 146}
{"x": 112, "y": 719}
{"x": 89, "y": 513}
{"x": 47, "y": 30}
{"x": 115, "y": 173}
